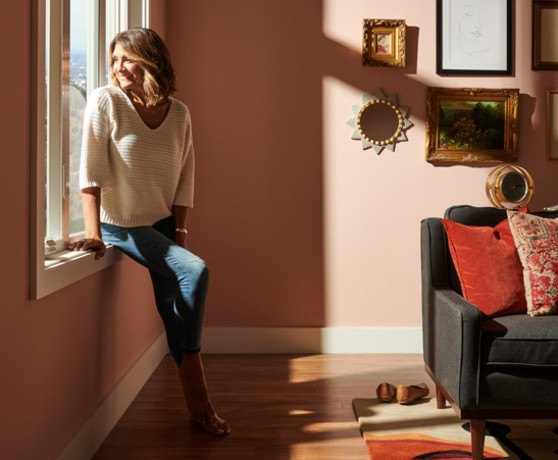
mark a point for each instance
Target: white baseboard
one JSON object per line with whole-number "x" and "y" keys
{"x": 312, "y": 340}
{"x": 100, "y": 424}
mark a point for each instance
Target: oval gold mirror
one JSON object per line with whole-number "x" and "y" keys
{"x": 379, "y": 122}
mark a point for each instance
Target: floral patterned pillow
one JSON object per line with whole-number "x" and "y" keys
{"x": 536, "y": 240}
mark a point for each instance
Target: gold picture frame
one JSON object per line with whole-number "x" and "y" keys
{"x": 471, "y": 126}
{"x": 545, "y": 35}
{"x": 552, "y": 124}
{"x": 384, "y": 42}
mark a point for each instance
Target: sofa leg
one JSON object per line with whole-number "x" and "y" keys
{"x": 477, "y": 438}
{"x": 440, "y": 398}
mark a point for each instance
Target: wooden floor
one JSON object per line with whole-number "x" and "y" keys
{"x": 281, "y": 407}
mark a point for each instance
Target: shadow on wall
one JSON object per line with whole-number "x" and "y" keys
{"x": 251, "y": 72}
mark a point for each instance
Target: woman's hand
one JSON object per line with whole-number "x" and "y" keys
{"x": 91, "y": 198}
{"x": 89, "y": 244}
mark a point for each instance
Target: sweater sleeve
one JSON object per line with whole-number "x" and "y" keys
{"x": 185, "y": 190}
{"x": 94, "y": 161}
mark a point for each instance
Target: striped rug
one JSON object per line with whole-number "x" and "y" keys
{"x": 421, "y": 431}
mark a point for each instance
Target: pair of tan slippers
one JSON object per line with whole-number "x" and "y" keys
{"x": 405, "y": 394}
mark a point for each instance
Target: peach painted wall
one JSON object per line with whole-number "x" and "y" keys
{"x": 299, "y": 226}
{"x": 62, "y": 355}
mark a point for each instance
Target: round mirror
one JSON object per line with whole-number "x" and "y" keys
{"x": 380, "y": 122}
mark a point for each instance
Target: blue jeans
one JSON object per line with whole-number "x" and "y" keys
{"x": 180, "y": 280}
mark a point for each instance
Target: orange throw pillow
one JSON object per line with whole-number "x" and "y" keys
{"x": 488, "y": 267}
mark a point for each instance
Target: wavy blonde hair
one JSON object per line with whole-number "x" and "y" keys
{"x": 148, "y": 50}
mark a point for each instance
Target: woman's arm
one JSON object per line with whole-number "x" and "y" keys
{"x": 91, "y": 201}
{"x": 180, "y": 214}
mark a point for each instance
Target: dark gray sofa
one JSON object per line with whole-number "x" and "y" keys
{"x": 499, "y": 368}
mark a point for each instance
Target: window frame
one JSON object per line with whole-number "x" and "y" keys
{"x": 52, "y": 266}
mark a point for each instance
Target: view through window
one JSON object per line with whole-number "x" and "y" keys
{"x": 79, "y": 31}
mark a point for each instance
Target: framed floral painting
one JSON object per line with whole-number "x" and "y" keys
{"x": 384, "y": 42}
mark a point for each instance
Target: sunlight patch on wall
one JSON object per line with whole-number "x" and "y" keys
{"x": 362, "y": 200}
{"x": 343, "y": 24}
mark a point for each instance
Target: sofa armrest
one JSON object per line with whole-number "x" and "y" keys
{"x": 452, "y": 328}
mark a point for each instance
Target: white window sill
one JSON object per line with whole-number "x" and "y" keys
{"x": 62, "y": 257}
{"x": 63, "y": 268}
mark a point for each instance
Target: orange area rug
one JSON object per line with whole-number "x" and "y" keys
{"x": 421, "y": 431}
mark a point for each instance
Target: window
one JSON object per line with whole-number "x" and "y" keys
{"x": 71, "y": 39}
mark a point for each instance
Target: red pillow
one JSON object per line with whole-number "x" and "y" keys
{"x": 488, "y": 267}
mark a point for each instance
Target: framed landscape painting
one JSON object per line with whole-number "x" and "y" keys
{"x": 471, "y": 125}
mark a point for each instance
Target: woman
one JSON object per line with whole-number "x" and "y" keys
{"x": 137, "y": 182}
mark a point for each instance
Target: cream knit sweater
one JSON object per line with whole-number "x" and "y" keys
{"x": 142, "y": 172}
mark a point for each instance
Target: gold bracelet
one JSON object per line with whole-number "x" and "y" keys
{"x": 181, "y": 230}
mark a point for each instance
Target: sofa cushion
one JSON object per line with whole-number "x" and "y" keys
{"x": 520, "y": 341}
{"x": 536, "y": 239}
{"x": 488, "y": 267}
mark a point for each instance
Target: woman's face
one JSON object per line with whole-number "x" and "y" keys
{"x": 128, "y": 73}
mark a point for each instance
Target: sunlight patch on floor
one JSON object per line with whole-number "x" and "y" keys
{"x": 300, "y": 412}
{"x": 344, "y": 365}
{"x": 349, "y": 448}
{"x": 327, "y": 427}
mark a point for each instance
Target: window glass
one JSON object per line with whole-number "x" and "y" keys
{"x": 43, "y": 110}
{"x": 111, "y": 28}
{"x": 79, "y": 60}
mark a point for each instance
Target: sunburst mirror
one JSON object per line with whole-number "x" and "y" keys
{"x": 379, "y": 122}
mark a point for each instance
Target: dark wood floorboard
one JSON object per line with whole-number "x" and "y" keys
{"x": 281, "y": 407}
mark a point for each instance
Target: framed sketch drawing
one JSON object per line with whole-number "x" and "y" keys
{"x": 545, "y": 35}
{"x": 552, "y": 124}
{"x": 471, "y": 125}
{"x": 384, "y": 42}
{"x": 474, "y": 37}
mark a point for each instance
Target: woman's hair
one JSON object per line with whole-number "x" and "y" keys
{"x": 148, "y": 50}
